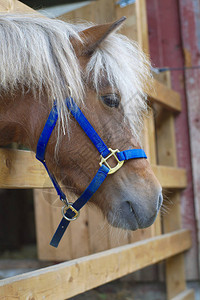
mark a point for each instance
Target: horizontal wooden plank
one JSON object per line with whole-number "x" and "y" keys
{"x": 15, "y": 6}
{"x": 165, "y": 96}
{"x": 71, "y": 278}
{"x": 170, "y": 177}
{"x": 186, "y": 295}
{"x": 20, "y": 169}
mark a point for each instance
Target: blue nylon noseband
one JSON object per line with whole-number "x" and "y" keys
{"x": 70, "y": 211}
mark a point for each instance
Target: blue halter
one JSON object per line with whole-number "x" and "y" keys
{"x": 70, "y": 211}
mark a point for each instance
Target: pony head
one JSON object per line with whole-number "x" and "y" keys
{"x": 106, "y": 73}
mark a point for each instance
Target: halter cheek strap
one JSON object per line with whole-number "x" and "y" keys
{"x": 70, "y": 211}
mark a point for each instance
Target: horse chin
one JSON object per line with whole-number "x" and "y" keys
{"x": 127, "y": 219}
{"x": 121, "y": 222}
{"x": 134, "y": 212}
{"x": 133, "y": 203}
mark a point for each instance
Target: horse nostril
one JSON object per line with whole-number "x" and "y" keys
{"x": 160, "y": 201}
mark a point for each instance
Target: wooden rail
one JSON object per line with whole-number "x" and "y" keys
{"x": 15, "y": 6}
{"x": 14, "y": 173}
{"x": 165, "y": 96}
{"x": 20, "y": 169}
{"x": 186, "y": 295}
{"x": 170, "y": 177}
{"x": 68, "y": 279}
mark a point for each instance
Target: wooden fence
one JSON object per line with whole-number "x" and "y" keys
{"x": 165, "y": 240}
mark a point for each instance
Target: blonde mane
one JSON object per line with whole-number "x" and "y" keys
{"x": 37, "y": 55}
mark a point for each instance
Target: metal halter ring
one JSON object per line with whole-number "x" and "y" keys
{"x": 65, "y": 209}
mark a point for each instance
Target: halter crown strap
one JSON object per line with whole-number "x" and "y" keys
{"x": 87, "y": 127}
{"x": 42, "y": 144}
{"x": 71, "y": 210}
{"x": 46, "y": 133}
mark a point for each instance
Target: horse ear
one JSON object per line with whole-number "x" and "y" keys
{"x": 93, "y": 36}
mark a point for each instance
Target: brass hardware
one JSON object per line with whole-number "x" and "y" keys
{"x": 65, "y": 209}
{"x": 104, "y": 161}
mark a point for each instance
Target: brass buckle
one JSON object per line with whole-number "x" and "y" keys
{"x": 104, "y": 160}
{"x": 65, "y": 209}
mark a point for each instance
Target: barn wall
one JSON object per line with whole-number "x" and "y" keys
{"x": 166, "y": 50}
{"x": 190, "y": 29}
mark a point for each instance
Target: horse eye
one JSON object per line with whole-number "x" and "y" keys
{"x": 111, "y": 100}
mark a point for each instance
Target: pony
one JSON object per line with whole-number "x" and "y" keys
{"x": 45, "y": 59}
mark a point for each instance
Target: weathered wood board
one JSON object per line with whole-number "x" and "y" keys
{"x": 68, "y": 279}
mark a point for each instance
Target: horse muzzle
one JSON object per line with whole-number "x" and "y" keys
{"x": 132, "y": 214}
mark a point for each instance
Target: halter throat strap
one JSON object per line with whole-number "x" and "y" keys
{"x": 70, "y": 211}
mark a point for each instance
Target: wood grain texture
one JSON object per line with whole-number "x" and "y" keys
{"x": 172, "y": 23}
{"x": 13, "y": 6}
{"x": 149, "y": 124}
{"x": 175, "y": 266}
{"x": 129, "y": 27}
{"x": 47, "y": 219}
{"x": 68, "y": 279}
{"x": 167, "y": 97}
{"x": 98, "y": 230}
{"x": 170, "y": 177}
{"x": 20, "y": 169}
{"x": 142, "y": 26}
{"x": 186, "y": 295}
{"x": 166, "y": 145}
{"x": 98, "y": 12}
{"x": 175, "y": 276}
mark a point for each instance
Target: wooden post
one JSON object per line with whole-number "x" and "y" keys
{"x": 175, "y": 270}
{"x": 149, "y": 133}
{"x": 166, "y": 145}
{"x": 173, "y": 37}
